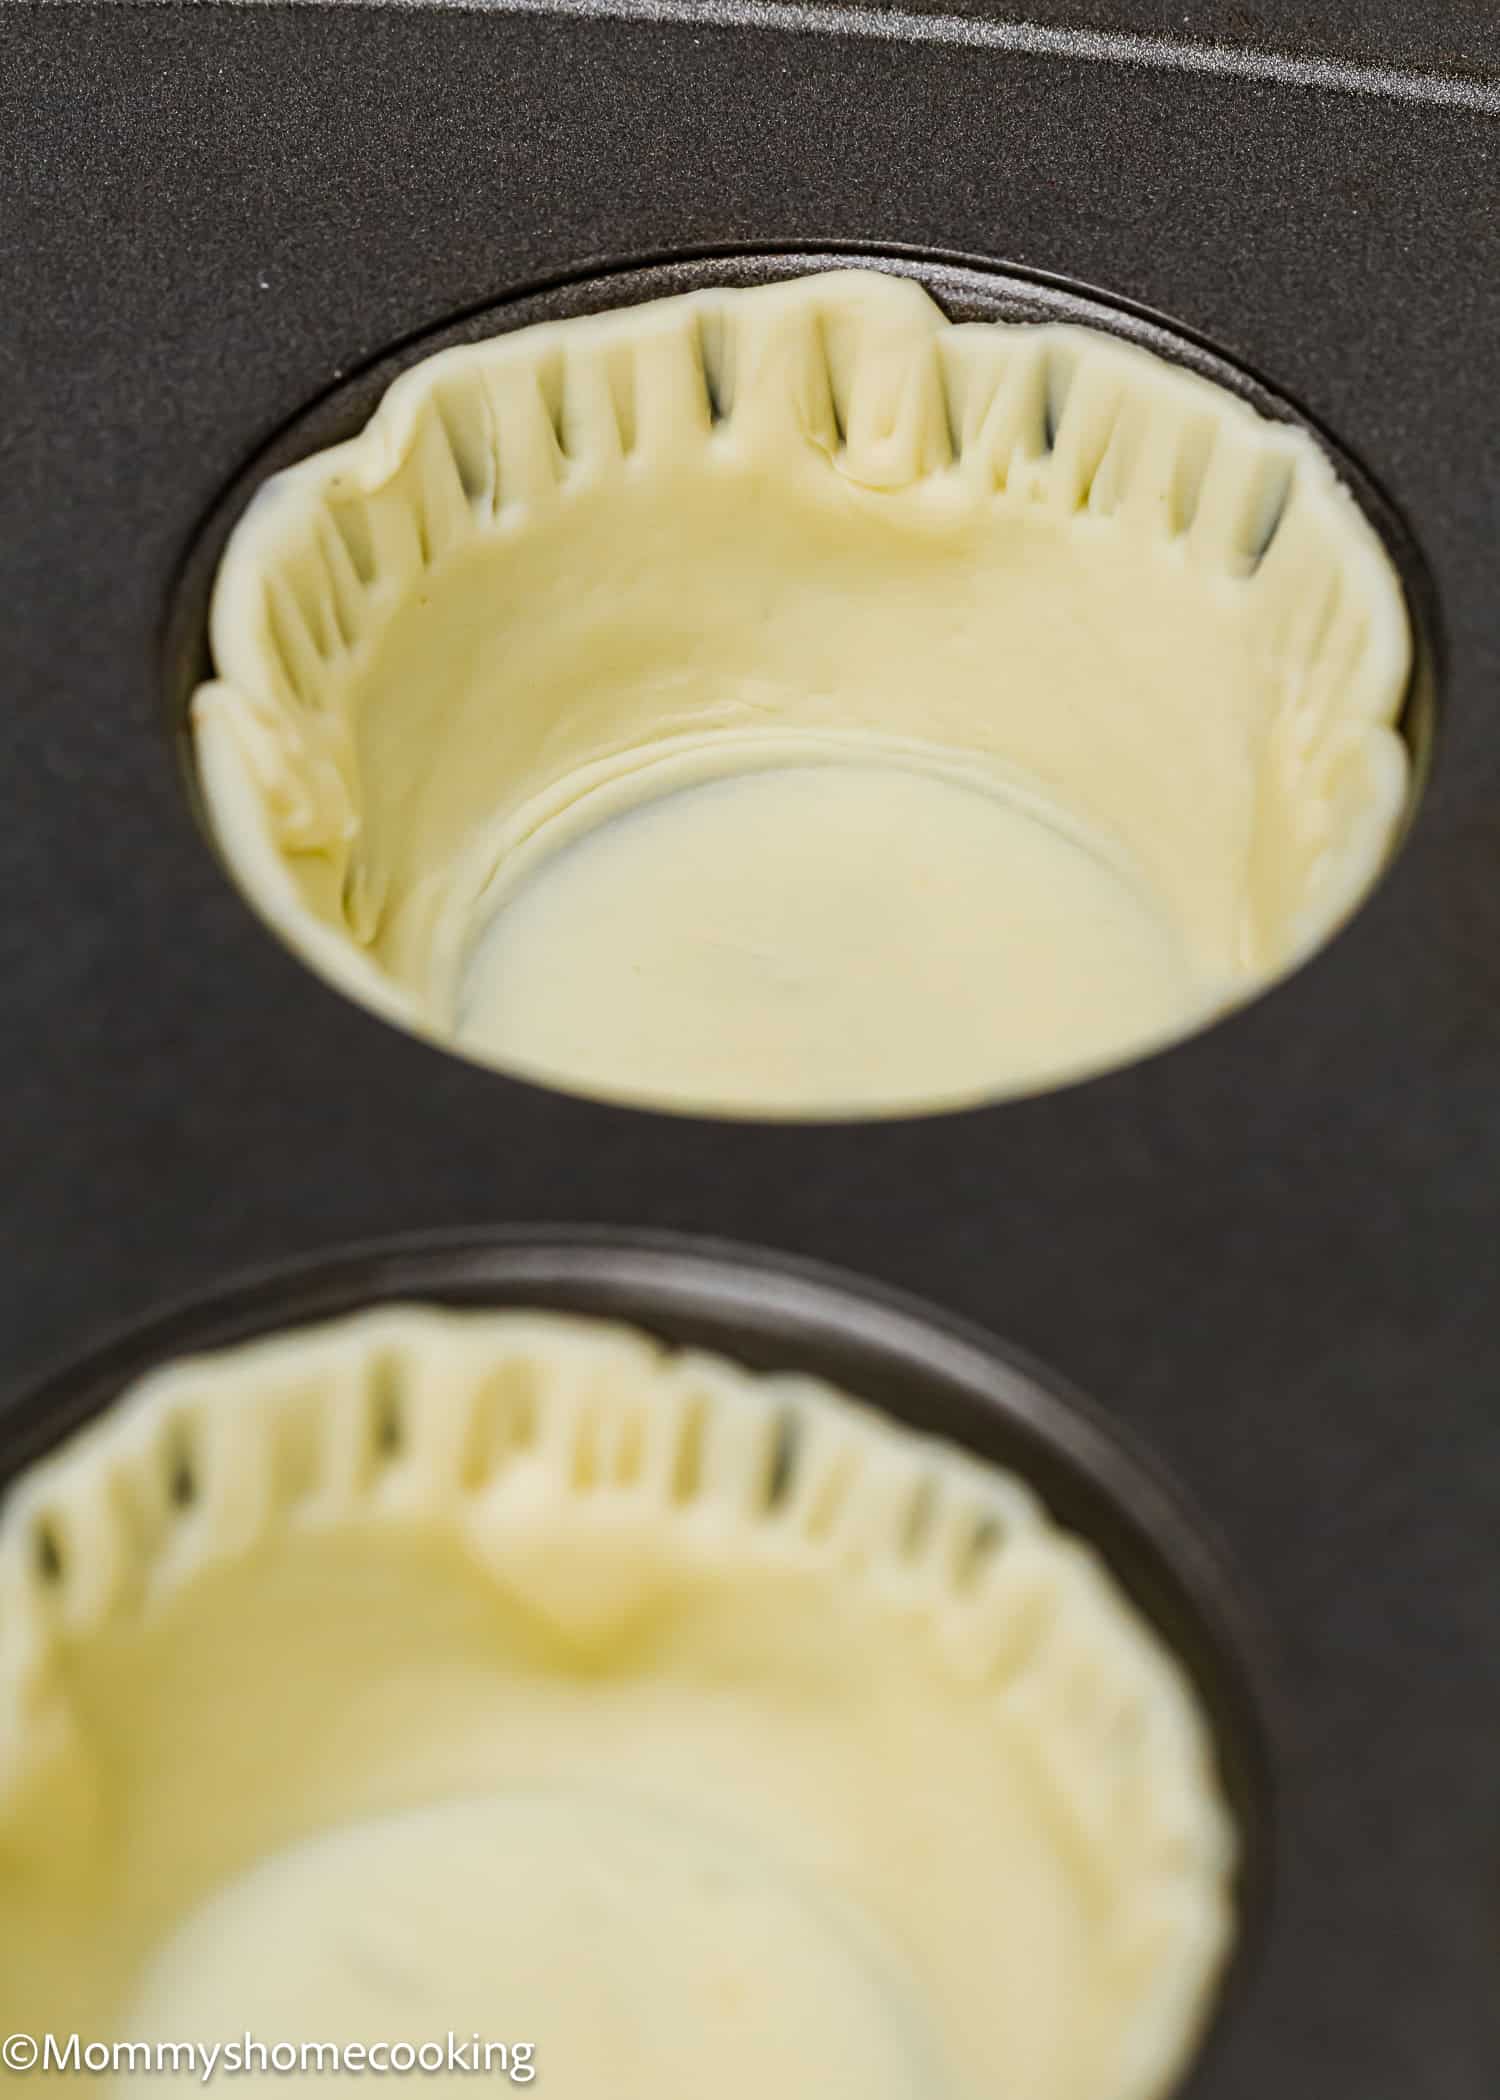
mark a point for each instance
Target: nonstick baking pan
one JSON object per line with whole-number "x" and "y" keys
{"x": 1266, "y": 1254}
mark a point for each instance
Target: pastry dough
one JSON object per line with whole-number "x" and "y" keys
{"x": 788, "y": 701}
{"x": 507, "y": 1675}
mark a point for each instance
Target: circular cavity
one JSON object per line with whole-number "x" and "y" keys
{"x": 768, "y": 1315}
{"x": 1105, "y": 574}
{"x": 758, "y": 924}
{"x": 505, "y": 1902}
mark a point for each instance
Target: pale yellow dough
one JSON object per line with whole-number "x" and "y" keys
{"x": 993, "y": 921}
{"x": 787, "y": 701}
{"x": 503, "y": 1675}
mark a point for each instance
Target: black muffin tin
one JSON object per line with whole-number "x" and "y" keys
{"x": 1266, "y": 1254}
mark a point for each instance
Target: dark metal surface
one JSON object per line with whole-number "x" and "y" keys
{"x": 1453, "y": 37}
{"x": 1268, "y": 1252}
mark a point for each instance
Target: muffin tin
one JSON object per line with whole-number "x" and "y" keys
{"x": 1266, "y": 1253}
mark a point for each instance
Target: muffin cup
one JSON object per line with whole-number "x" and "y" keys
{"x": 1067, "y": 677}
{"x": 586, "y": 1483}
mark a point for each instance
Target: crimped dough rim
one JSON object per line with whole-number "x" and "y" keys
{"x": 464, "y": 1421}
{"x": 1055, "y": 422}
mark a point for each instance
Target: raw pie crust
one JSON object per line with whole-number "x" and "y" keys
{"x": 505, "y": 1674}
{"x": 784, "y": 700}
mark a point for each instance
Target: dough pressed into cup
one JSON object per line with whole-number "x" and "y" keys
{"x": 787, "y": 701}
{"x": 507, "y": 1675}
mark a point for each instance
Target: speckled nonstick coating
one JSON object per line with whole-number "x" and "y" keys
{"x": 1267, "y": 1254}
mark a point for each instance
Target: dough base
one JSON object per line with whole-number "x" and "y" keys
{"x": 742, "y": 936}
{"x": 638, "y": 1955}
